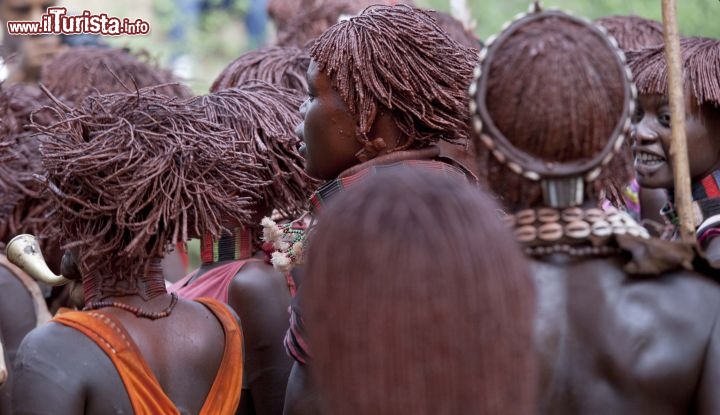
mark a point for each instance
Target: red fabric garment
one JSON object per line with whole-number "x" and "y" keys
{"x": 143, "y": 389}
{"x": 213, "y": 284}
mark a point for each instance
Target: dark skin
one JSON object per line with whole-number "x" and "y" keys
{"x": 329, "y": 134}
{"x": 329, "y": 131}
{"x": 17, "y": 318}
{"x": 260, "y": 297}
{"x": 74, "y": 376}
{"x": 651, "y": 201}
{"x": 301, "y": 397}
{"x": 652, "y": 133}
{"x": 610, "y": 343}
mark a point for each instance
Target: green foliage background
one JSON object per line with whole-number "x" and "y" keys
{"x": 219, "y": 37}
{"x": 695, "y": 17}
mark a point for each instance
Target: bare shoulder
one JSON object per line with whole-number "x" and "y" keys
{"x": 59, "y": 364}
{"x": 257, "y": 280}
{"x": 15, "y": 300}
{"x": 55, "y": 346}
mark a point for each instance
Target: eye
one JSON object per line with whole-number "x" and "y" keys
{"x": 664, "y": 119}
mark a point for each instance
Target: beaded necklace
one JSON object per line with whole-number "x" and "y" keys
{"x": 574, "y": 231}
{"x": 234, "y": 246}
{"x": 139, "y": 312}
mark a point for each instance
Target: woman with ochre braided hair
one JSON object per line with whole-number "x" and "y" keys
{"x": 83, "y": 71}
{"x": 701, "y": 70}
{"x": 418, "y": 344}
{"x": 624, "y": 325}
{"x": 122, "y": 172}
{"x": 635, "y": 33}
{"x": 234, "y": 268}
{"x": 384, "y": 88}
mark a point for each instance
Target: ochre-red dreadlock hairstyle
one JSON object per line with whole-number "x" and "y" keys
{"x": 564, "y": 107}
{"x": 280, "y": 66}
{"x": 83, "y": 71}
{"x": 701, "y": 71}
{"x": 128, "y": 175}
{"x": 264, "y": 118}
{"x": 23, "y": 208}
{"x": 397, "y": 57}
{"x": 633, "y": 32}
{"x": 389, "y": 337}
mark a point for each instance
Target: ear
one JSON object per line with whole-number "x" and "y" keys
{"x": 371, "y": 149}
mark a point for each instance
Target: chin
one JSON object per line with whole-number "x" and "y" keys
{"x": 655, "y": 183}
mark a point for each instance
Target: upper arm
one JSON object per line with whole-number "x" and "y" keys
{"x": 48, "y": 379}
{"x": 261, "y": 300}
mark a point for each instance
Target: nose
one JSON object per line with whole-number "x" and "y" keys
{"x": 644, "y": 134}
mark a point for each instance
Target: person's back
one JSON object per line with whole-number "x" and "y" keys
{"x": 88, "y": 381}
{"x": 614, "y": 343}
{"x": 624, "y": 324}
{"x": 135, "y": 348}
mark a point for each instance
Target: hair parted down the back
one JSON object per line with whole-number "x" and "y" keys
{"x": 129, "y": 174}
{"x": 264, "y": 118}
{"x": 398, "y": 58}
{"x": 563, "y": 108}
{"x": 633, "y": 32}
{"x": 701, "y": 70}
{"x": 414, "y": 343}
{"x": 73, "y": 75}
{"x": 277, "y": 65}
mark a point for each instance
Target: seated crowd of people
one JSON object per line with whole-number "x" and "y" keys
{"x": 393, "y": 217}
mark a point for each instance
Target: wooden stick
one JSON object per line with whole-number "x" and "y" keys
{"x": 678, "y": 146}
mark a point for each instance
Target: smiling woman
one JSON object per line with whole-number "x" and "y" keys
{"x": 701, "y": 66}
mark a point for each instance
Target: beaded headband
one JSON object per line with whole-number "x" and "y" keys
{"x": 562, "y": 183}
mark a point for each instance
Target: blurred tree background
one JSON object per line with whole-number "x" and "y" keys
{"x": 695, "y": 17}
{"x": 197, "y": 38}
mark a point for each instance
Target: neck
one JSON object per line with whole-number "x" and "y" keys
{"x": 426, "y": 158}
{"x": 232, "y": 246}
{"x": 151, "y": 285}
{"x": 389, "y": 158}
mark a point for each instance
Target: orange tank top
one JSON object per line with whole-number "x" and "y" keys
{"x": 143, "y": 389}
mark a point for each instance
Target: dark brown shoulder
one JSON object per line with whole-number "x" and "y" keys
{"x": 648, "y": 257}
